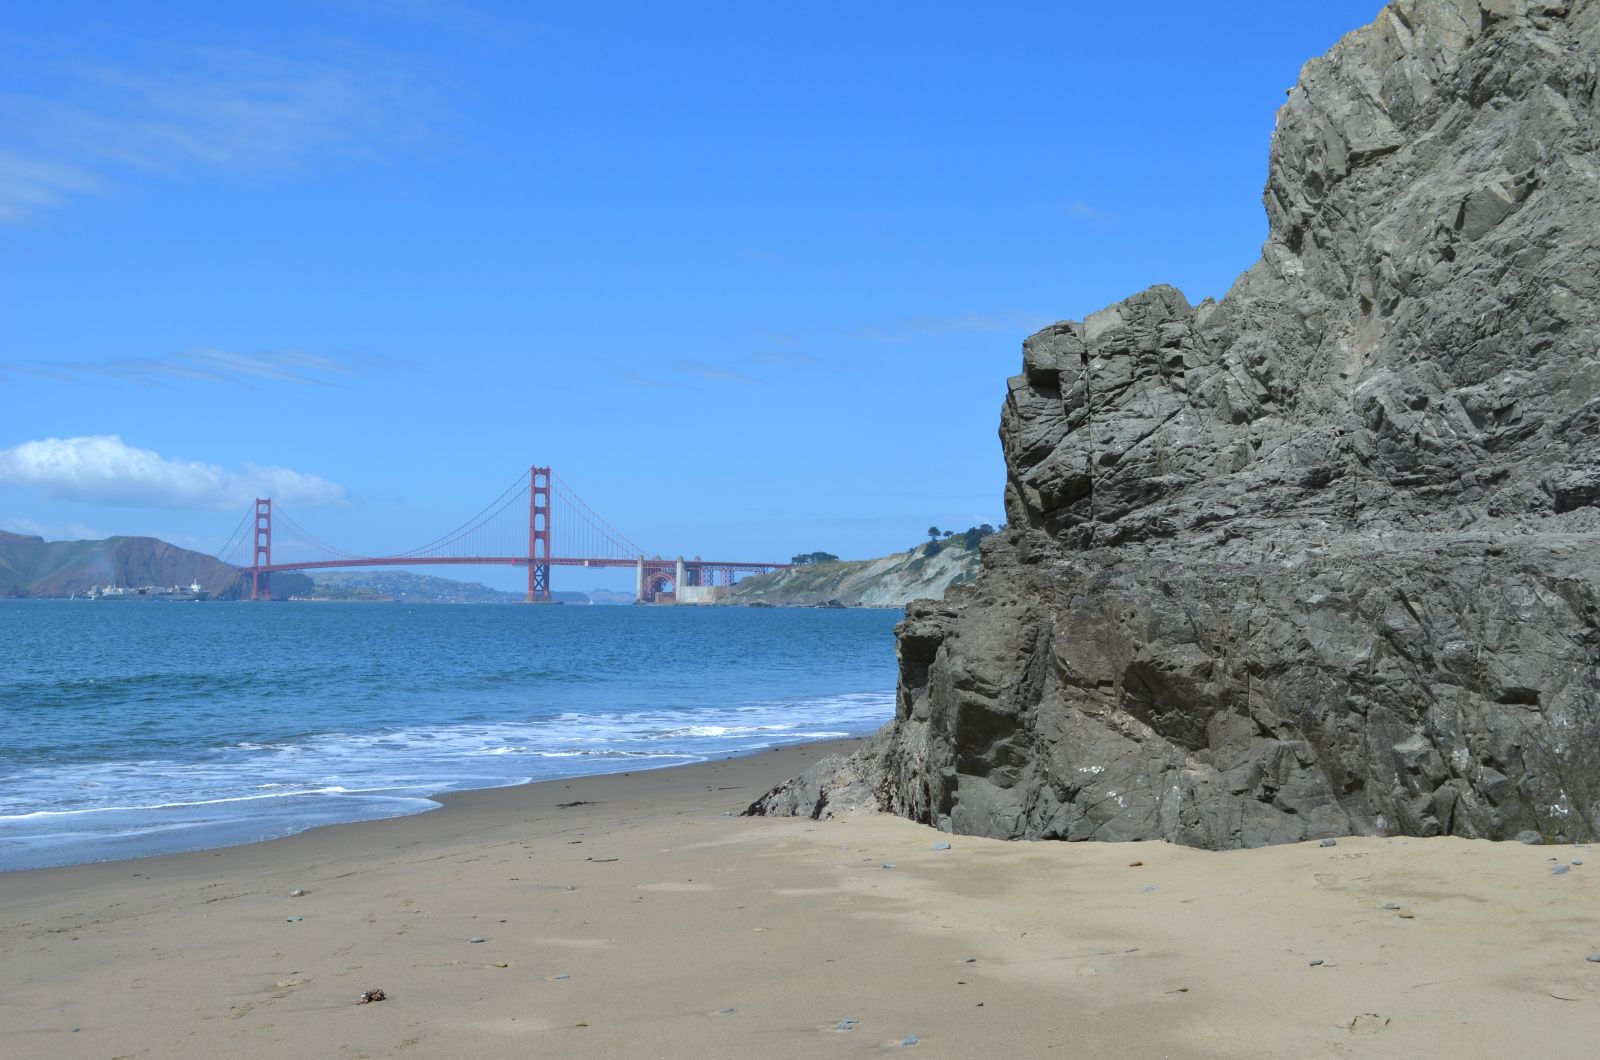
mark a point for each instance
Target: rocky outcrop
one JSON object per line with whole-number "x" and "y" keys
{"x": 1323, "y": 557}
{"x": 891, "y": 581}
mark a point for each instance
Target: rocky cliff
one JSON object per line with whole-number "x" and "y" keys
{"x": 1323, "y": 557}
{"x": 891, "y": 581}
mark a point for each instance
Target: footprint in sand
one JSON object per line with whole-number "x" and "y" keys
{"x": 1369, "y": 1023}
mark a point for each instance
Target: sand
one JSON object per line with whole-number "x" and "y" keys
{"x": 647, "y": 921}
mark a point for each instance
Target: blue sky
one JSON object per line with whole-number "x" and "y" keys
{"x": 750, "y": 277}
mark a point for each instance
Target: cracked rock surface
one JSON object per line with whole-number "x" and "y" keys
{"x": 1321, "y": 558}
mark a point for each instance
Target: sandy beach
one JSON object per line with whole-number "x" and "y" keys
{"x": 635, "y": 916}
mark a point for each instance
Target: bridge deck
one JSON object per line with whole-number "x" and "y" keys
{"x": 507, "y": 561}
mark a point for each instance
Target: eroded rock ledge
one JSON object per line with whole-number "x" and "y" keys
{"x": 1323, "y": 557}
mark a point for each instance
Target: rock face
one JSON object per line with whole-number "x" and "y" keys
{"x": 891, "y": 581}
{"x": 1323, "y": 557}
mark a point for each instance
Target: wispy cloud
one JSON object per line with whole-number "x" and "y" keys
{"x": 102, "y": 469}
{"x": 939, "y": 326}
{"x": 210, "y": 366}
{"x": 55, "y": 532}
{"x": 226, "y": 110}
{"x": 785, "y": 358}
{"x": 645, "y": 381}
{"x": 1079, "y": 210}
{"x": 716, "y": 373}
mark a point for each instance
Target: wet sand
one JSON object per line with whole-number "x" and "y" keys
{"x": 633, "y": 916}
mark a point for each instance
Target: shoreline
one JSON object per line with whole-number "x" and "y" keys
{"x": 446, "y": 799}
{"x": 634, "y": 915}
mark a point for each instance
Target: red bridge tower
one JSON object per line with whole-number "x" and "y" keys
{"x": 260, "y": 580}
{"x": 538, "y": 535}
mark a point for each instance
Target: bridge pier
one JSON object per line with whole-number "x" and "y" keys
{"x": 638, "y": 580}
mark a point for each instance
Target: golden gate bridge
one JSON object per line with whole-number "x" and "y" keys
{"x": 496, "y": 536}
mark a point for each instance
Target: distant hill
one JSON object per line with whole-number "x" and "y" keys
{"x": 400, "y": 586}
{"x": 924, "y": 572}
{"x": 32, "y": 566}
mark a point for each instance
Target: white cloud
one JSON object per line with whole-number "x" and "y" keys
{"x": 102, "y": 469}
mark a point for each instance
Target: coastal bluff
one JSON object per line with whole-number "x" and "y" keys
{"x": 1321, "y": 558}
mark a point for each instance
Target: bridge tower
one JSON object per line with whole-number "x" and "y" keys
{"x": 538, "y": 535}
{"x": 261, "y": 581}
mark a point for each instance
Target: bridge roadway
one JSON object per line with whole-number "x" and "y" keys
{"x": 507, "y": 561}
{"x": 652, "y": 575}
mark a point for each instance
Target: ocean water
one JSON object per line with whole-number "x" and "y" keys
{"x": 138, "y": 728}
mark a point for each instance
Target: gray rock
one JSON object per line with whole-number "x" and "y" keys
{"x": 1321, "y": 558}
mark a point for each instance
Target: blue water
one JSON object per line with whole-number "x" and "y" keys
{"x": 138, "y": 728}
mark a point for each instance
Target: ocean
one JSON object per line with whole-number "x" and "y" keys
{"x": 134, "y": 728}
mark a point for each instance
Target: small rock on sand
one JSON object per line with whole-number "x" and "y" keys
{"x": 1328, "y": 843}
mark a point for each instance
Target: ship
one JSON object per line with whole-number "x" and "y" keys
{"x": 173, "y": 594}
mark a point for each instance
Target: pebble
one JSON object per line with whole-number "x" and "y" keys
{"x": 1328, "y": 843}
{"x": 941, "y": 846}
{"x": 1560, "y": 870}
{"x": 1148, "y": 889}
{"x": 888, "y": 864}
{"x": 297, "y": 893}
{"x": 1406, "y": 914}
{"x": 971, "y": 960}
{"x": 501, "y": 964}
{"x": 1315, "y": 963}
{"x": 725, "y": 1011}
{"x": 910, "y": 1039}
{"x": 293, "y": 919}
{"x": 1577, "y": 861}
{"x": 477, "y": 938}
{"x": 1391, "y": 905}
{"x": 846, "y": 1025}
{"x": 563, "y": 975}
{"x": 1593, "y": 958}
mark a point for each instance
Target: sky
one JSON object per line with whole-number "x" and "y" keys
{"x": 749, "y": 277}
